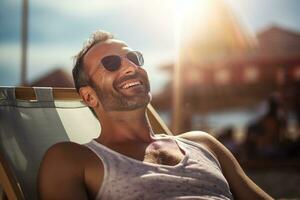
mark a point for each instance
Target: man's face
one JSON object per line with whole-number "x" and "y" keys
{"x": 124, "y": 89}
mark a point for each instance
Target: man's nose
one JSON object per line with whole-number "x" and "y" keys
{"x": 128, "y": 66}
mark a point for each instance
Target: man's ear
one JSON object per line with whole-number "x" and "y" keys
{"x": 89, "y": 96}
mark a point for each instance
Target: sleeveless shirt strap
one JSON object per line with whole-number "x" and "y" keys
{"x": 201, "y": 147}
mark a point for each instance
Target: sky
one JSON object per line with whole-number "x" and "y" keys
{"x": 57, "y": 30}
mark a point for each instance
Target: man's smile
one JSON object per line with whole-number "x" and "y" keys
{"x": 132, "y": 87}
{"x": 131, "y": 84}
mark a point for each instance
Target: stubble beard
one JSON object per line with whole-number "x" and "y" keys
{"x": 118, "y": 102}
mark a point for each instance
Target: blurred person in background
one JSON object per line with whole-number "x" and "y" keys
{"x": 267, "y": 136}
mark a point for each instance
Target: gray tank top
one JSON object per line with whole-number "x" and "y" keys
{"x": 197, "y": 176}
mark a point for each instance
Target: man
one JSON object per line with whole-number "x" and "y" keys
{"x": 127, "y": 161}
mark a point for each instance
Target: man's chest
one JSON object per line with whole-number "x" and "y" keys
{"x": 164, "y": 153}
{"x": 159, "y": 152}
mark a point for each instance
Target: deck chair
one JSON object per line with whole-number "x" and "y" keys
{"x": 32, "y": 120}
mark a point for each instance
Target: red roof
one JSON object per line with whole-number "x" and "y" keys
{"x": 56, "y": 78}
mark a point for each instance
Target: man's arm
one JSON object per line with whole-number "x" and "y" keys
{"x": 61, "y": 174}
{"x": 241, "y": 186}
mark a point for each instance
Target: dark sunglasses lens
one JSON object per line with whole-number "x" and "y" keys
{"x": 136, "y": 57}
{"x": 111, "y": 63}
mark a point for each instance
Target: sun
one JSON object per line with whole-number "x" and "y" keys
{"x": 189, "y": 15}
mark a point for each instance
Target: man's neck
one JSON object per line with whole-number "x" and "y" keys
{"x": 125, "y": 127}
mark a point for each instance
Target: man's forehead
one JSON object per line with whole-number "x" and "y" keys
{"x": 109, "y": 46}
{"x": 114, "y": 42}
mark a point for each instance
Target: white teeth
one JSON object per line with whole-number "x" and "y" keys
{"x": 131, "y": 84}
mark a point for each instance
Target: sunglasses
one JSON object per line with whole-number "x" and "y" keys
{"x": 113, "y": 62}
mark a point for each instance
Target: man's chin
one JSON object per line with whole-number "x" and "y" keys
{"x": 138, "y": 103}
{"x": 129, "y": 103}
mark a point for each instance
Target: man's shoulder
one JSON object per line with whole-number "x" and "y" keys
{"x": 65, "y": 153}
{"x": 65, "y": 148}
{"x": 205, "y": 139}
{"x": 69, "y": 163}
{"x": 198, "y": 136}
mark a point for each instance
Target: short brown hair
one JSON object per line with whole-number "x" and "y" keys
{"x": 80, "y": 78}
